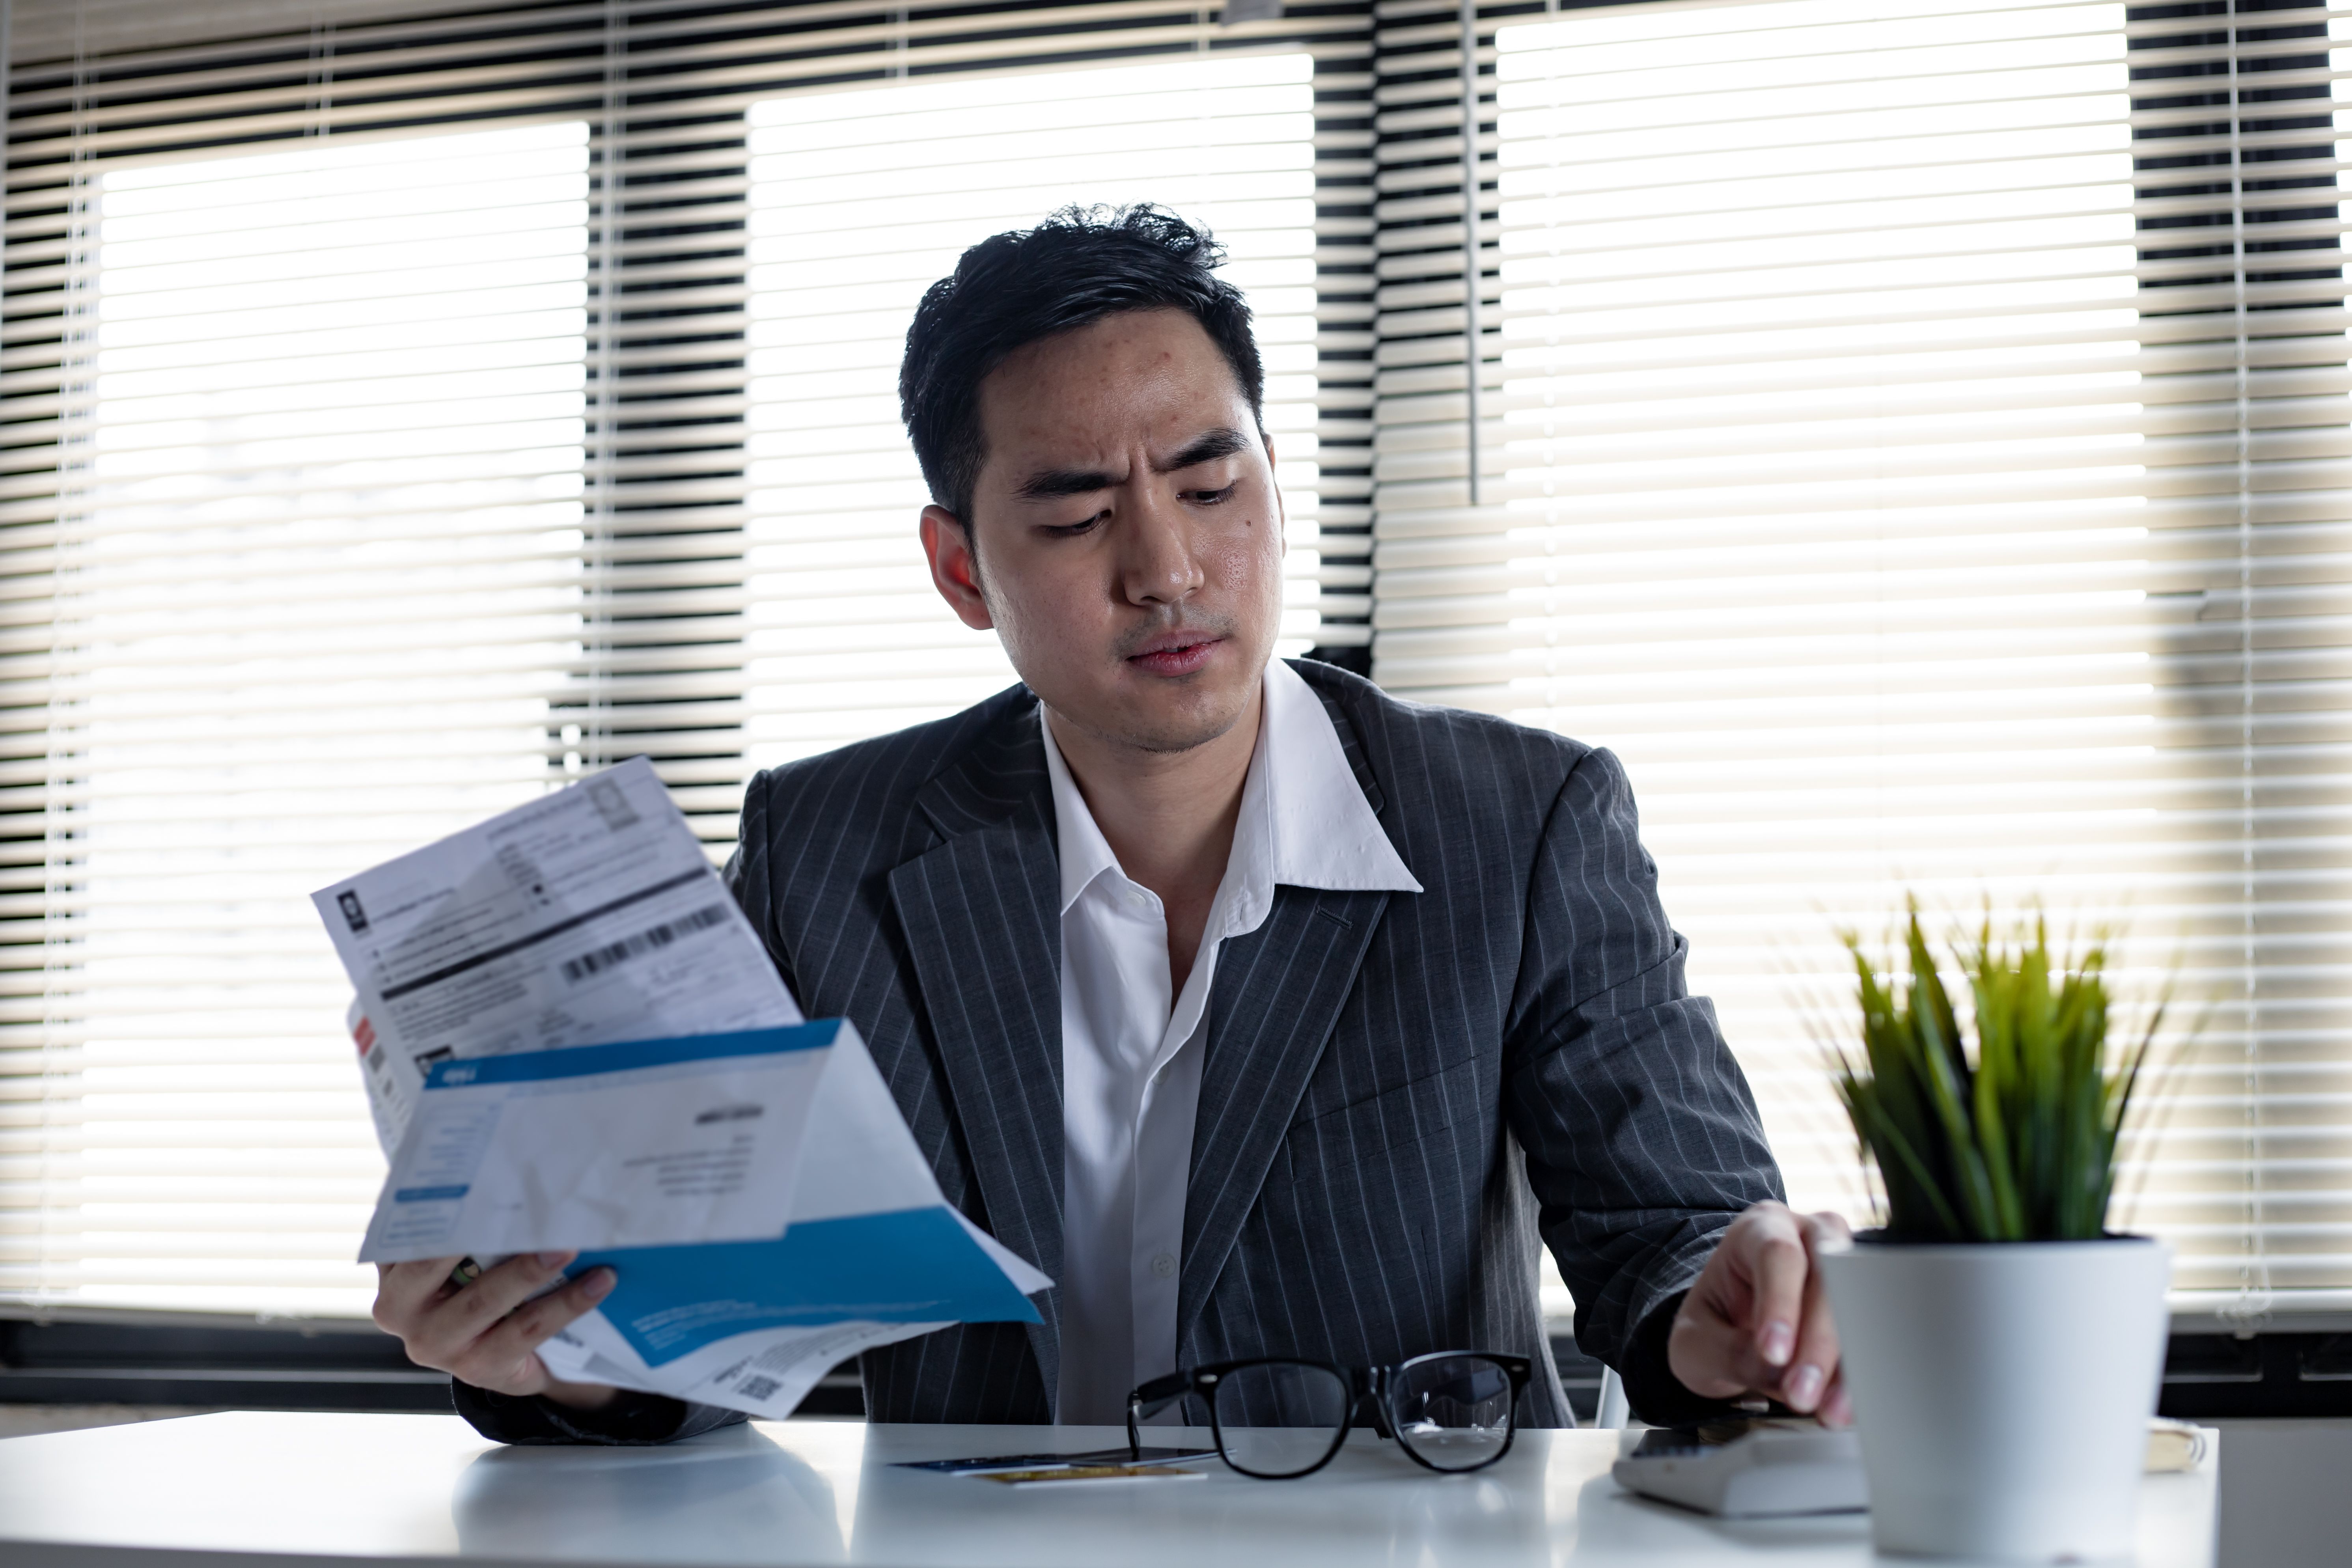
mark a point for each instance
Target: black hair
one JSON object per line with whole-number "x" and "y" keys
{"x": 1071, "y": 270}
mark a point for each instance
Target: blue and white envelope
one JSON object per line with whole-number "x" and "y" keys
{"x": 873, "y": 1254}
{"x": 814, "y": 1228}
{"x": 870, "y": 1240}
{"x": 760, "y": 1179}
{"x": 629, "y": 1144}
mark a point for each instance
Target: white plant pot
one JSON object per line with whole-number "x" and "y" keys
{"x": 2002, "y": 1391}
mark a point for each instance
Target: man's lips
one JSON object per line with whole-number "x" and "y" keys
{"x": 1176, "y": 657}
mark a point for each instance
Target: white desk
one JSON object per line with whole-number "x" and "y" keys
{"x": 314, "y": 1490}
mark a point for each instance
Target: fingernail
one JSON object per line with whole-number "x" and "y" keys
{"x": 600, "y": 1282}
{"x": 1780, "y": 1342}
{"x": 554, "y": 1259}
{"x": 1838, "y": 1411}
{"x": 1804, "y": 1387}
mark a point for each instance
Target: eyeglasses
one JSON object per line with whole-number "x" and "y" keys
{"x": 1276, "y": 1418}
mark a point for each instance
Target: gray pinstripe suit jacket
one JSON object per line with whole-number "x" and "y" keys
{"x": 1377, "y": 1062}
{"x": 1401, "y": 1093}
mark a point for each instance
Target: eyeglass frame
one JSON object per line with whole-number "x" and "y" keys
{"x": 1373, "y": 1383}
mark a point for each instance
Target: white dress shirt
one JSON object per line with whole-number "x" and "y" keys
{"x": 1131, "y": 1053}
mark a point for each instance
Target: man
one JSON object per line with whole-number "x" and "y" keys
{"x": 1265, "y": 1014}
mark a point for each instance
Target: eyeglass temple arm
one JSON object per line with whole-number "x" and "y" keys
{"x": 1148, "y": 1401}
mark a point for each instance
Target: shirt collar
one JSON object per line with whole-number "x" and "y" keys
{"x": 1304, "y": 823}
{"x": 1323, "y": 832}
{"x": 1086, "y": 854}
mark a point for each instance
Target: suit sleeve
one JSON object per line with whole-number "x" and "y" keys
{"x": 1642, "y": 1141}
{"x": 631, "y": 1420}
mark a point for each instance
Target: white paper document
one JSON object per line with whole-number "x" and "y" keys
{"x": 590, "y": 915}
{"x": 391, "y": 1079}
{"x": 573, "y": 1040}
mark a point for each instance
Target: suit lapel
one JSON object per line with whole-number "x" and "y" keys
{"x": 1278, "y": 994}
{"x": 1343, "y": 727}
{"x": 981, "y": 914}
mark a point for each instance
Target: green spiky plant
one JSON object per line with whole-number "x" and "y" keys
{"x": 2019, "y": 1144}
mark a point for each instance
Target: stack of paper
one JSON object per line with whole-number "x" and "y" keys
{"x": 573, "y": 1040}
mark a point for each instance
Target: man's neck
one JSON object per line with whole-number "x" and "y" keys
{"x": 1168, "y": 815}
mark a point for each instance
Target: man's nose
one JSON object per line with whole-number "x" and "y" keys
{"x": 1158, "y": 564}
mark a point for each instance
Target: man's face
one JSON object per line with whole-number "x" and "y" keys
{"x": 1129, "y": 532}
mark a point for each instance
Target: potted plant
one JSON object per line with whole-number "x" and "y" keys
{"x": 2002, "y": 1350}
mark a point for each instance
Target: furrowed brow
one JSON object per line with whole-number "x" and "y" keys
{"x": 1052, "y": 484}
{"x": 1206, "y": 448}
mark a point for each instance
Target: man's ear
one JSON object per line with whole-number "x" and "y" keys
{"x": 955, "y": 570}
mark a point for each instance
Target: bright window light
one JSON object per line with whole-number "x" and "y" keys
{"x": 318, "y": 579}
{"x": 860, "y": 200}
{"x": 1827, "y": 510}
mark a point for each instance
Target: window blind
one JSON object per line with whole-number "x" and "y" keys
{"x": 1917, "y": 444}
{"x": 179, "y": 1127}
{"x": 1436, "y": 229}
{"x": 316, "y": 578}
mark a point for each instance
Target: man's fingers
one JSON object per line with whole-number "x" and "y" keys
{"x": 472, "y": 1310}
{"x": 1816, "y": 1358}
{"x": 523, "y": 1330}
{"x": 1714, "y": 1357}
{"x": 403, "y": 1290}
{"x": 1757, "y": 1318}
{"x": 531, "y": 1326}
{"x": 1837, "y": 1409}
{"x": 1776, "y": 1261}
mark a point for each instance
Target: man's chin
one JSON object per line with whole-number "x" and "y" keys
{"x": 1163, "y": 719}
{"x": 1172, "y": 735}
{"x": 1172, "y": 742}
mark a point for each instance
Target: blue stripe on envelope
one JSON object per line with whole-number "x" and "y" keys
{"x": 579, "y": 1061}
{"x": 908, "y": 1266}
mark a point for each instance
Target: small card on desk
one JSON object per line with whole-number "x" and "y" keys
{"x": 1043, "y": 1470}
{"x": 1060, "y": 1475}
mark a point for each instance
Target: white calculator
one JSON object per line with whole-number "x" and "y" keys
{"x": 1756, "y": 1468}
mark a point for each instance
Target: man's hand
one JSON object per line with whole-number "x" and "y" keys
{"x": 487, "y": 1332}
{"x": 1758, "y": 1322}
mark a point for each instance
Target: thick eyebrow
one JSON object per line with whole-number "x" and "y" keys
{"x": 1205, "y": 448}
{"x": 1052, "y": 484}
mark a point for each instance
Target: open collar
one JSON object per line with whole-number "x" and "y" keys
{"x": 1304, "y": 823}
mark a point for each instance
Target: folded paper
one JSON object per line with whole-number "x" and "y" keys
{"x": 573, "y": 1040}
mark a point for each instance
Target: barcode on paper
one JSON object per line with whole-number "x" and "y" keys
{"x": 759, "y": 1387}
{"x": 592, "y": 964}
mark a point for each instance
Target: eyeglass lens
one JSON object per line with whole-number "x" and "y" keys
{"x": 1280, "y": 1418}
{"x": 1453, "y": 1411}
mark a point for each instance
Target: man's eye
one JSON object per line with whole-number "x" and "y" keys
{"x": 1072, "y": 530}
{"x": 1211, "y": 498}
